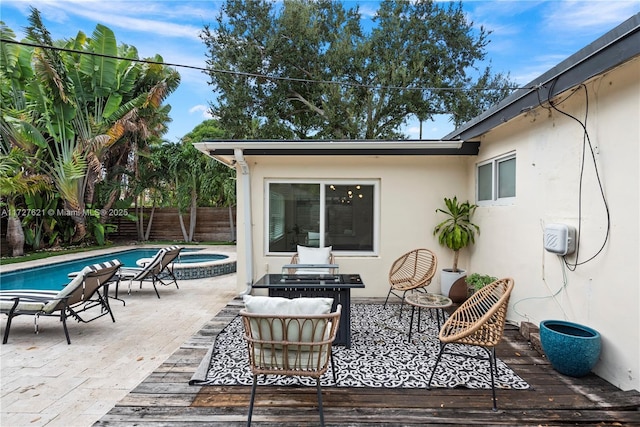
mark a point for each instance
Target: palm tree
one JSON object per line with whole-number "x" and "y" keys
{"x": 91, "y": 100}
{"x": 85, "y": 110}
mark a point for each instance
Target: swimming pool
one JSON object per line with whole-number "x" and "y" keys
{"x": 192, "y": 264}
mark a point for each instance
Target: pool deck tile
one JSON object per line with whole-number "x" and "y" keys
{"x": 45, "y": 382}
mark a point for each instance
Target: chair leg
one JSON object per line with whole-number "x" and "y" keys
{"x": 401, "y": 297}
{"x": 9, "y": 319}
{"x": 494, "y": 368}
{"x": 168, "y": 277}
{"x": 333, "y": 370}
{"x": 104, "y": 301}
{"x": 173, "y": 278}
{"x": 385, "y": 301}
{"x": 253, "y": 396}
{"x": 154, "y": 287}
{"x": 402, "y": 305}
{"x": 63, "y": 319}
{"x": 442, "y": 346}
{"x": 117, "y": 282}
{"x": 320, "y": 402}
{"x": 6, "y": 330}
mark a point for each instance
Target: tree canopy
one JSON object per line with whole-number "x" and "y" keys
{"x": 300, "y": 69}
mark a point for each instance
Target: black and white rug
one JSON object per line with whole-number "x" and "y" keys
{"x": 380, "y": 356}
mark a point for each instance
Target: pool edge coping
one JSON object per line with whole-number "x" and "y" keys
{"x": 228, "y": 250}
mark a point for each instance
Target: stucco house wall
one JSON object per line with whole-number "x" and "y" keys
{"x": 411, "y": 188}
{"x": 602, "y": 293}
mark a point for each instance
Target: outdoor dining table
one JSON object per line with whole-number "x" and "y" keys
{"x": 336, "y": 286}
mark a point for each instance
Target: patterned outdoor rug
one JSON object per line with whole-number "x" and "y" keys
{"x": 380, "y": 356}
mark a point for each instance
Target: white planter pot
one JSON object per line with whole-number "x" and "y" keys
{"x": 448, "y": 278}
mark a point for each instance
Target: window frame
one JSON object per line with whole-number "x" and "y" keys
{"x": 495, "y": 181}
{"x": 323, "y": 183}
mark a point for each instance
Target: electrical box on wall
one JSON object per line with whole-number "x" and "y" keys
{"x": 560, "y": 239}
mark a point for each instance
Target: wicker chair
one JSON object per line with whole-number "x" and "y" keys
{"x": 412, "y": 271}
{"x": 291, "y": 345}
{"x": 479, "y": 321}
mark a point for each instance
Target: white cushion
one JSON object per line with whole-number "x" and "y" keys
{"x": 296, "y": 331}
{"x": 45, "y": 301}
{"x": 286, "y": 306}
{"x": 308, "y": 255}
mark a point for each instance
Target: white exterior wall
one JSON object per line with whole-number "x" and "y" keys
{"x": 603, "y": 293}
{"x": 411, "y": 188}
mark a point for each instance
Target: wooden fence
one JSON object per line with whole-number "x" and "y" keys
{"x": 212, "y": 225}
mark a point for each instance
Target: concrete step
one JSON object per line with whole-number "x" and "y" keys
{"x": 532, "y": 333}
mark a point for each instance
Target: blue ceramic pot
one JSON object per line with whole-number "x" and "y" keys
{"x": 572, "y": 349}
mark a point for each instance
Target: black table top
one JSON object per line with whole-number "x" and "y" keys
{"x": 309, "y": 281}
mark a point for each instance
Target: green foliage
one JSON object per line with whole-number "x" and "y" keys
{"x": 40, "y": 223}
{"x": 78, "y": 115}
{"x": 457, "y": 231}
{"x": 328, "y": 78}
{"x": 214, "y": 182}
{"x": 478, "y": 281}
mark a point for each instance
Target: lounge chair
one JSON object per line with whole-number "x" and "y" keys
{"x": 74, "y": 300}
{"x": 291, "y": 337}
{"x": 157, "y": 270}
{"x": 413, "y": 271}
{"x": 479, "y": 321}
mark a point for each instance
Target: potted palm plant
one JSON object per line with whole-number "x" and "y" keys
{"x": 455, "y": 232}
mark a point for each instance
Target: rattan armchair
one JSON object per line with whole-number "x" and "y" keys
{"x": 412, "y": 271}
{"x": 291, "y": 345}
{"x": 479, "y": 321}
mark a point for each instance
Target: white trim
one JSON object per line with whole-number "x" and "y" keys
{"x": 326, "y": 145}
{"x": 248, "y": 238}
{"x": 495, "y": 200}
{"x": 323, "y": 182}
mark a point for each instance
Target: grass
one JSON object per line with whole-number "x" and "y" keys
{"x": 46, "y": 253}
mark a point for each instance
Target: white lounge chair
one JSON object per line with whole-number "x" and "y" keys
{"x": 81, "y": 294}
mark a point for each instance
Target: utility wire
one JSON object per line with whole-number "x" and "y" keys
{"x": 255, "y": 75}
{"x": 586, "y": 141}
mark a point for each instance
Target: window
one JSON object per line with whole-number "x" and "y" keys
{"x": 496, "y": 181}
{"x": 341, "y": 214}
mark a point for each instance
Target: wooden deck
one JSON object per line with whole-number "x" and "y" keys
{"x": 166, "y": 399}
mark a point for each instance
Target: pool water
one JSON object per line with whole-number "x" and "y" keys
{"x": 55, "y": 276}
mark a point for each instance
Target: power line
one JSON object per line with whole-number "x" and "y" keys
{"x": 252, "y": 75}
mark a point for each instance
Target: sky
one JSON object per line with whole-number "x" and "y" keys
{"x": 528, "y": 37}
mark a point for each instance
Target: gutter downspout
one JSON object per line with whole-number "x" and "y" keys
{"x": 248, "y": 232}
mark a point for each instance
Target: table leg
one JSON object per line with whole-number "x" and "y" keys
{"x": 413, "y": 310}
{"x": 439, "y": 314}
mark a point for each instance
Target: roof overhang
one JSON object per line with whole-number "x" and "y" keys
{"x": 609, "y": 51}
{"x": 224, "y": 150}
